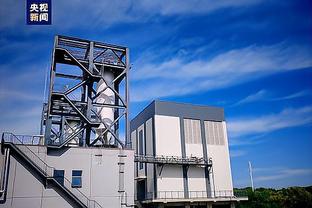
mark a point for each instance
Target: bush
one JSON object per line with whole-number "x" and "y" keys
{"x": 293, "y": 197}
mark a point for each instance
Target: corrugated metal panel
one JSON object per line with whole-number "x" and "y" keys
{"x": 214, "y": 133}
{"x": 192, "y": 131}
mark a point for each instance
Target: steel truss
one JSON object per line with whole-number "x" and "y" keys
{"x": 70, "y": 116}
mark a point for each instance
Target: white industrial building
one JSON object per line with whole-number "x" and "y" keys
{"x": 182, "y": 156}
{"x": 71, "y": 177}
{"x": 171, "y": 154}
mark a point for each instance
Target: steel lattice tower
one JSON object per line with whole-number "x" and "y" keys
{"x": 88, "y": 94}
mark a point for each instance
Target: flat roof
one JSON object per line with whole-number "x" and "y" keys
{"x": 184, "y": 110}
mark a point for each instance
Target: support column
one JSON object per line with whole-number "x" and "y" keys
{"x": 86, "y": 141}
{"x": 232, "y": 205}
{"x": 205, "y": 154}
{"x": 127, "y": 97}
{"x": 184, "y": 167}
{"x": 209, "y": 205}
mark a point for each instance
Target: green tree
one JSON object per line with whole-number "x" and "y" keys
{"x": 293, "y": 197}
{"x": 297, "y": 197}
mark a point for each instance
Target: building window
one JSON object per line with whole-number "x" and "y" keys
{"x": 58, "y": 175}
{"x": 141, "y": 140}
{"x": 76, "y": 178}
{"x": 214, "y": 133}
{"x": 192, "y": 131}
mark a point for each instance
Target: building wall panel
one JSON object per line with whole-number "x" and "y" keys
{"x": 167, "y": 136}
{"x": 219, "y": 152}
{"x": 193, "y": 138}
{"x": 100, "y": 178}
{"x": 168, "y": 143}
{"x": 170, "y": 180}
{"x": 196, "y": 182}
{"x": 149, "y": 151}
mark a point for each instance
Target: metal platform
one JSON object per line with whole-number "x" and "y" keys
{"x": 195, "y": 196}
{"x": 173, "y": 160}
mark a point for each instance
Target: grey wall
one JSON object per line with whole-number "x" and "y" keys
{"x": 183, "y": 110}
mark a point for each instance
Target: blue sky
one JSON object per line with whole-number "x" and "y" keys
{"x": 252, "y": 57}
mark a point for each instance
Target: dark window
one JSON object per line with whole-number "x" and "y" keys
{"x": 141, "y": 146}
{"x": 141, "y": 187}
{"x": 76, "y": 178}
{"x": 58, "y": 175}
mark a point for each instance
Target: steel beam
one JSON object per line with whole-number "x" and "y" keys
{"x": 63, "y": 107}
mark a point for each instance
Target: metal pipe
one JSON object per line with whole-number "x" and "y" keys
{"x": 106, "y": 114}
{"x": 127, "y": 140}
{"x": 5, "y": 172}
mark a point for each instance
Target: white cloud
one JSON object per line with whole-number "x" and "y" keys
{"x": 11, "y": 13}
{"x": 275, "y": 177}
{"x": 252, "y": 140}
{"x": 179, "y": 76}
{"x": 14, "y": 95}
{"x": 22, "y": 113}
{"x": 263, "y": 95}
{"x": 282, "y": 173}
{"x": 260, "y": 95}
{"x": 21, "y": 98}
{"x": 262, "y": 124}
{"x": 294, "y": 95}
{"x": 237, "y": 153}
{"x": 105, "y": 13}
{"x": 177, "y": 7}
{"x": 21, "y": 120}
{"x": 27, "y": 84}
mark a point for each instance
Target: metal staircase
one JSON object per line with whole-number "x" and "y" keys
{"x": 22, "y": 153}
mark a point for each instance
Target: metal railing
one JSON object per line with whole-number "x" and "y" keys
{"x": 240, "y": 193}
{"x": 193, "y": 195}
{"x": 161, "y": 159}
{"x": 102, "y": 53}
{"x": 45, "y": 169}
{"x": 28, "y": 139}
{"x": 20, "y": 143}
